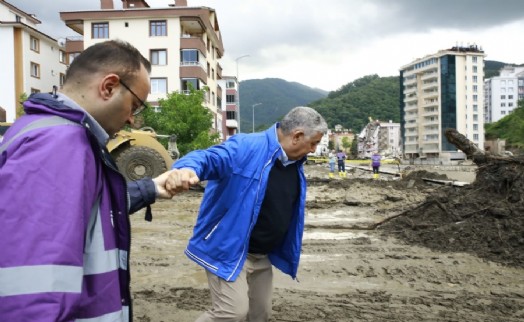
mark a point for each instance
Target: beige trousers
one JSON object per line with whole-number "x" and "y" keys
{"x": 248, "y": 298}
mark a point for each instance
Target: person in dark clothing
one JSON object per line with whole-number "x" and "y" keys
{"x": 252, "y": 213}
{"x": 341, "y": 159}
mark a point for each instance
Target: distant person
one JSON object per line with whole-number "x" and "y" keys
{"x": 375, "y": 164}
{"x": 65, "y": 230}
{"x": 332, "y": 160}
{"x": 252, "y": 213}
{"x": 341, "y": 158}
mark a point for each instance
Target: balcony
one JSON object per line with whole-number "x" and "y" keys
{"x": 192, "y": 70}
{"x": 232, "y": 124}
{"x": 188, "y": 42}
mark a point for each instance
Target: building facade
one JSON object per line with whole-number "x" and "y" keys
{"x": 501, "y": 93}
{"x": 229, "y": 103}
{"x": 31, "y": 60}
{"x": 440, "y": 91}
{"x": 184, "y": 45}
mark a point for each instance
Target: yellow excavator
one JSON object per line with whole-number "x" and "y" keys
{"x": 138, "y": 153}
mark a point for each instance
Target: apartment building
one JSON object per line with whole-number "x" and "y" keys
{"x": 31, "y": 60}
{"x": 183, "y": 43}
{"x": 440, "y": 91}
{"x": 230, "y": 115}
{"x": 501, "y": 93}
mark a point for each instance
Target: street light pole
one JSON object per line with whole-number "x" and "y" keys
{"x": 238, "y": 90}
{"x": 253, "y": 107}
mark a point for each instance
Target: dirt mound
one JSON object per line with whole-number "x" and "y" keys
{"x": 485, "y": 218}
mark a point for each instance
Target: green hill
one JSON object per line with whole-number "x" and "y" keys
{"x": 509, "y": 128}
{"x": 277, "y": 97}
{"x": 353, "y": 104}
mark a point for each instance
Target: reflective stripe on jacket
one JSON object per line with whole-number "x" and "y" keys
{"x": 238, "y": 171}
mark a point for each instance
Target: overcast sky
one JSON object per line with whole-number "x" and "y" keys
{"x": 329, "y": 43}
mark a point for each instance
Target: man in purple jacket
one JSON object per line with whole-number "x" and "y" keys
{"x": 64, "y": 226}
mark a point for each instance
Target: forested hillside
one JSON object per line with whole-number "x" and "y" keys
{"x": 509, "y": 128}
{"x": 277, "y": 97}
{"x": 352, "y": 105}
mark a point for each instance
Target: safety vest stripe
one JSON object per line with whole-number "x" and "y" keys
{"x": 38, "y": 124}
{"x": 122, "y": 315}
{"x": 40, "y": 279}
{"x": 101, "y": 262}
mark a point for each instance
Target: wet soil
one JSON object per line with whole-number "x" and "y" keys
{"x": 374, "y": 250}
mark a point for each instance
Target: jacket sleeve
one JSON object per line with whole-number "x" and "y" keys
{"x": 142, "y": 193}
{"x": 213, "y": 163}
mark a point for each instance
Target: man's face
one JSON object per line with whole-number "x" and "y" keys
{"x": 127, "y": 101}
{"x": 302, "y": 145}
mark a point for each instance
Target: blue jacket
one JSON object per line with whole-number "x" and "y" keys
{"x": 238, "y": 171}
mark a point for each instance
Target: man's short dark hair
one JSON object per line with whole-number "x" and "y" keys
{"x": 112, "y": 56}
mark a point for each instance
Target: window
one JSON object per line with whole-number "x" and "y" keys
{"x": 100, "y": 30}
{"x": 158, "y": 85}
{"x": 510, "y": 97}
{"x": 502, "y": 104}
{"x": 510, "y": 104}
{"x": 157, "y": 28}
{"x": 475, "y": 79}
{"x": 475, "y": 108}
{"x": 230, "y": 98}
{"x": 62, "y": 56}
{"x": 475, "y": 127}
{"x": 35, "y": 70}
{"x": 502, "y": 97}
{"x": 502, "y": 112}
{"x": 231, "y": 115}
{"x": 62, "y": 79}
{"x": 475, "y": 117}
{"x": 190, "y": 83}
{"x": 35, "y": 90}
{"x": 474, "y": 69}
{"x": 474, "y": 59}
{"x": 34, "y": 44}
{"x": 158, "y": 57}
{"x": 475, "y": 137}
{"x": 475, "y": 98}
{"x": 189, "y": 57}
{"x": 230, "y": 84}
{"x": 475, "y": 88}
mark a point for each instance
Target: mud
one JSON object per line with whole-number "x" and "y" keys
{"x": 374, "y": 250}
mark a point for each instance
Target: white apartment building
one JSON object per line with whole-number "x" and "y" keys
{"x": 501, "y": 93}
{"x": 31, "y": 60}
{"x": 440, "y": 91}
{"x": 184, "y": 44}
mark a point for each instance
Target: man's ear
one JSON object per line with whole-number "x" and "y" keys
{"x": 297, "y": 135}
{"x": 107, "y": 86}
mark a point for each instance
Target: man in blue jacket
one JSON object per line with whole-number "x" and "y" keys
{"x": 252, "y": 212}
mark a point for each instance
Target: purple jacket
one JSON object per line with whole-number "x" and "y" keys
{"x": 65, "y": 231}
{"x": 375, "y": 160}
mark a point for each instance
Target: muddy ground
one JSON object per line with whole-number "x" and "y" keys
{"x": 374, "y": 250}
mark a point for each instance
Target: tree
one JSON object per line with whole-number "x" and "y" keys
{"x": 186, "y": 117}
{"x": 345, "y": 143}
{"x": 20, "y": 107}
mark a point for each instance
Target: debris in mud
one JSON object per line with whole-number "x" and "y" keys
{"x": 485, "y": 218}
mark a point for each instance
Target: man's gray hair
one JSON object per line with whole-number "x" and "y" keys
{"x": 305, "y": 118}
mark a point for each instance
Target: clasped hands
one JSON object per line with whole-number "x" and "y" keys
{"x": 174, "y": 181}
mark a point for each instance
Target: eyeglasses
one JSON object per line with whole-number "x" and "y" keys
{"x": 142, "y": 106}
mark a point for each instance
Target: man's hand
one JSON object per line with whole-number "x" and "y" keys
{"x": 160, "y": 185}
{"x": 180, "y": 180}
